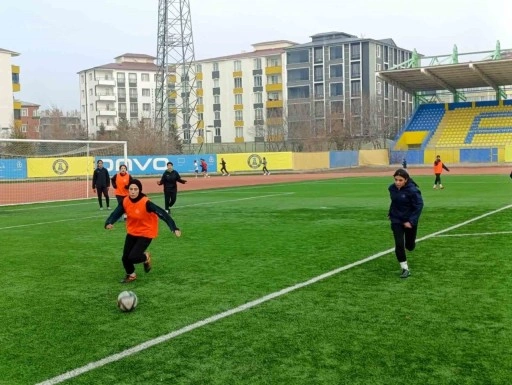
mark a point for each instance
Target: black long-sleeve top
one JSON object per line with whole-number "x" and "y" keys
{"x": 169, "y": 180}
{"x": 100, "y": 178}
{"x": 406, "y": 204}
{"x": 150, "y": 208}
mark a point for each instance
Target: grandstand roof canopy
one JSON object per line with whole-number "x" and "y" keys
{"x": 452, "y": 77}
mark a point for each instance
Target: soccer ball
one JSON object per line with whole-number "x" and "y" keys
{"x": 127, "y": 301}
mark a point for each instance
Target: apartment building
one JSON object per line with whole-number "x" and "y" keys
{"x": 240, "y": 98}
{"x": 30, "y": 120}
{"x": 332, "y": 85}
{"x": 10, "y": 109}
{"x": 111, "y": 92}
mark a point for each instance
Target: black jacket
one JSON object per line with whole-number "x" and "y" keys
{"x": 100, "y": 178}
{"x": 406, "y": 204}
{"x": 169, "y": 180}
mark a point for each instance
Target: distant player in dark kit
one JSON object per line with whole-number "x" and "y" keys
{"x": 223, "y": 167}
{"x": 265, "y": 169}
{"x": 101, "y": 183}
{"x": 204, "y": 168}
{"x": 404, "y": 214}
{"x": 169, "y": 180}
{"x": 404, "y": 163}
{"x": 439, "y": 166}
{"x": 141, "y": 228}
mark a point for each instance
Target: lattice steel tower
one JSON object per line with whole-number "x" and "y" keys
{"x": 176, "y": 96}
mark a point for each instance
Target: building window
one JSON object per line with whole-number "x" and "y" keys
{"x": 258, "y": 97}
{"x": 120, "y": 77}
{"x": 200, "y": 117}
{"x": 132, "y": 78}
{"x": 238, "y": 82}
{"x": 216, "y": 99}
{"x": 24, "y": 112}
{"x": 200, "y": 100}
{"x": 92, "y": 122}
{"x": 199, "y": 68}
{"x": 319, "y": 90}
{"x": 238, "y": 99}
{"x": 239, "y": 132}
{"x": 217, "y": 115}
{"x": 83, "y": 108}
{"x": 146, "y": 107}
{"x": 239, "y": 115}
{"x": 237, "y": 65}
{"x": 337, "y": 107}
{"x": 90, "y": 91}
{"x": 319, "y": 74}
{"x": 355, "y": 51}
{"x": 133, "y": 92}
{"x": 199, "y": 84}
{"x": 146, "y": 92}
{"x": 379, "y": 49}
{"x": 379, "y": 88}
{"x": 356, "y": 107}
{"x": 273, "y": 96}
{"x": 336, "y": 52}
{"x": 319, "y": 109}
{"x": 319, "y": 54}
{"x": 134, "y": 107}
{"x": 355, "y": 70}
{"x": 144, "y": 77}
{"x": 296, "y": 57}
{"x": 216, "y": 83}
{"x": 336, "y": 71}
{"x": 217, "y": 131}
{"x": 298, "y": 92}
{"x": 121, "y": 92}
{"x": 257, "y": 81}
{"x": 122, "y": 108}
{"x": 274, "y": 79}
{"x": 379, "y": 66}
{"x": 91, "y": 107}
{"x": 82, "y": 78}
{"x": 336, "y": 89}
{"x": 355, "y": 88}
{"x": 258, "y": 113}
{"x": 215, "y": 66}
{"x": 274, "y": 61}
{"x": 298, "y": 74}
{"x": 90, "y": 75}
{"x": 24, "y": 128}
{"x": 257, "y": 63}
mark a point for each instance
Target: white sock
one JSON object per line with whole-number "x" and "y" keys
{"x": 404, "y": 265}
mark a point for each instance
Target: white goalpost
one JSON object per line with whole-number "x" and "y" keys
{"x": 33, "y": 170}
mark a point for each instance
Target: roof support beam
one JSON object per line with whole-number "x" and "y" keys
{"x": 483, "y": 76}
{"x": 394, "y": 83}
{"x": 438, "y": 80}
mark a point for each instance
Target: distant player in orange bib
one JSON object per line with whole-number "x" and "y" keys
{"x": 438, "y": 169}
{"x": 141, "y": 228}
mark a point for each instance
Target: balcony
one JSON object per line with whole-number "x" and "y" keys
{"x": 200, "y": 108}
{"x": 107, "y": 98}
{"x": 16, "y": 87}
{"x": 274, "y": 121}
{"x": 106, "y": 82}
{"x": 274, "y": 70}
{"x": 274, "y": 87}
{"x": 104, "y": 112}
{"x": 274, "y": 104}
{"x": 16, "y": 105}
{"x": 238, "y": 90}
{"x": 239, "y": 123}
{"x": 199, "y": 76}
{"x": 237, "y": 74}
{"x": 238, "y": 107}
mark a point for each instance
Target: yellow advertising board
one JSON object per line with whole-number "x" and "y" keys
{"x": 60, "y": 167}
{"x": 310, "y": 160}
{"x": 373, "y": 158}
{"x": 254, "y": 161}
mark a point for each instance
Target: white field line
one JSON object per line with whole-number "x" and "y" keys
{"x": 174, "y": 208}
{"x": 476, "y": 234}
{"x": 166, "y": 337}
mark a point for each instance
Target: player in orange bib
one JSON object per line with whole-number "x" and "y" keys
{"x": 141, "y": 228}
{"x": 438, "y": 169}
{"x": 120, "y": 182}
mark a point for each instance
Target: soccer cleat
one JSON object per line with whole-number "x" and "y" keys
{"x": 405, "y": 273}
{"x": 129, "y": 278}
{"x": 101, "y": 208}
{"x": 147, "y": 264}
{"x": 108, "y": 208}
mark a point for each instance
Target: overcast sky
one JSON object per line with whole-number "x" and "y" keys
{"x": 58, "y": 38}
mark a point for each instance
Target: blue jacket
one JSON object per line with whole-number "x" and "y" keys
{"x": 406, "y": 204}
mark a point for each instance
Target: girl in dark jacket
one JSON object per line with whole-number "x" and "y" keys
{"x": 169, "y": 179}
{"x": 101, "y": 184}
{"x": 404, "y": 213}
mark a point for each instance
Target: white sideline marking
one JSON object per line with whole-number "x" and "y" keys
{"x": 166, "y": 337}
{"x": 174, "y": 208}
{"x": 475, "y": 234}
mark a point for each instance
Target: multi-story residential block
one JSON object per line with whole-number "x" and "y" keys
{"x": 30, "y": 120}
{"x": 56, "y": 124}
{"x": 240, "y": 97}
{"x": 121, "y": 90}
{"x": 10, "y": 109}
{"x": 332, "y": 85}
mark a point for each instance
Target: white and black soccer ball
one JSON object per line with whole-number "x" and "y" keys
{"x": 127, "y": 301}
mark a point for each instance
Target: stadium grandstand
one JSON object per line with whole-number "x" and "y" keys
{"x": 461, "y": 131}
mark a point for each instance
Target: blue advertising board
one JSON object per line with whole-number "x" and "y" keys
{"x": 13, "y": 168}
{"x": 157, "y": 164}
